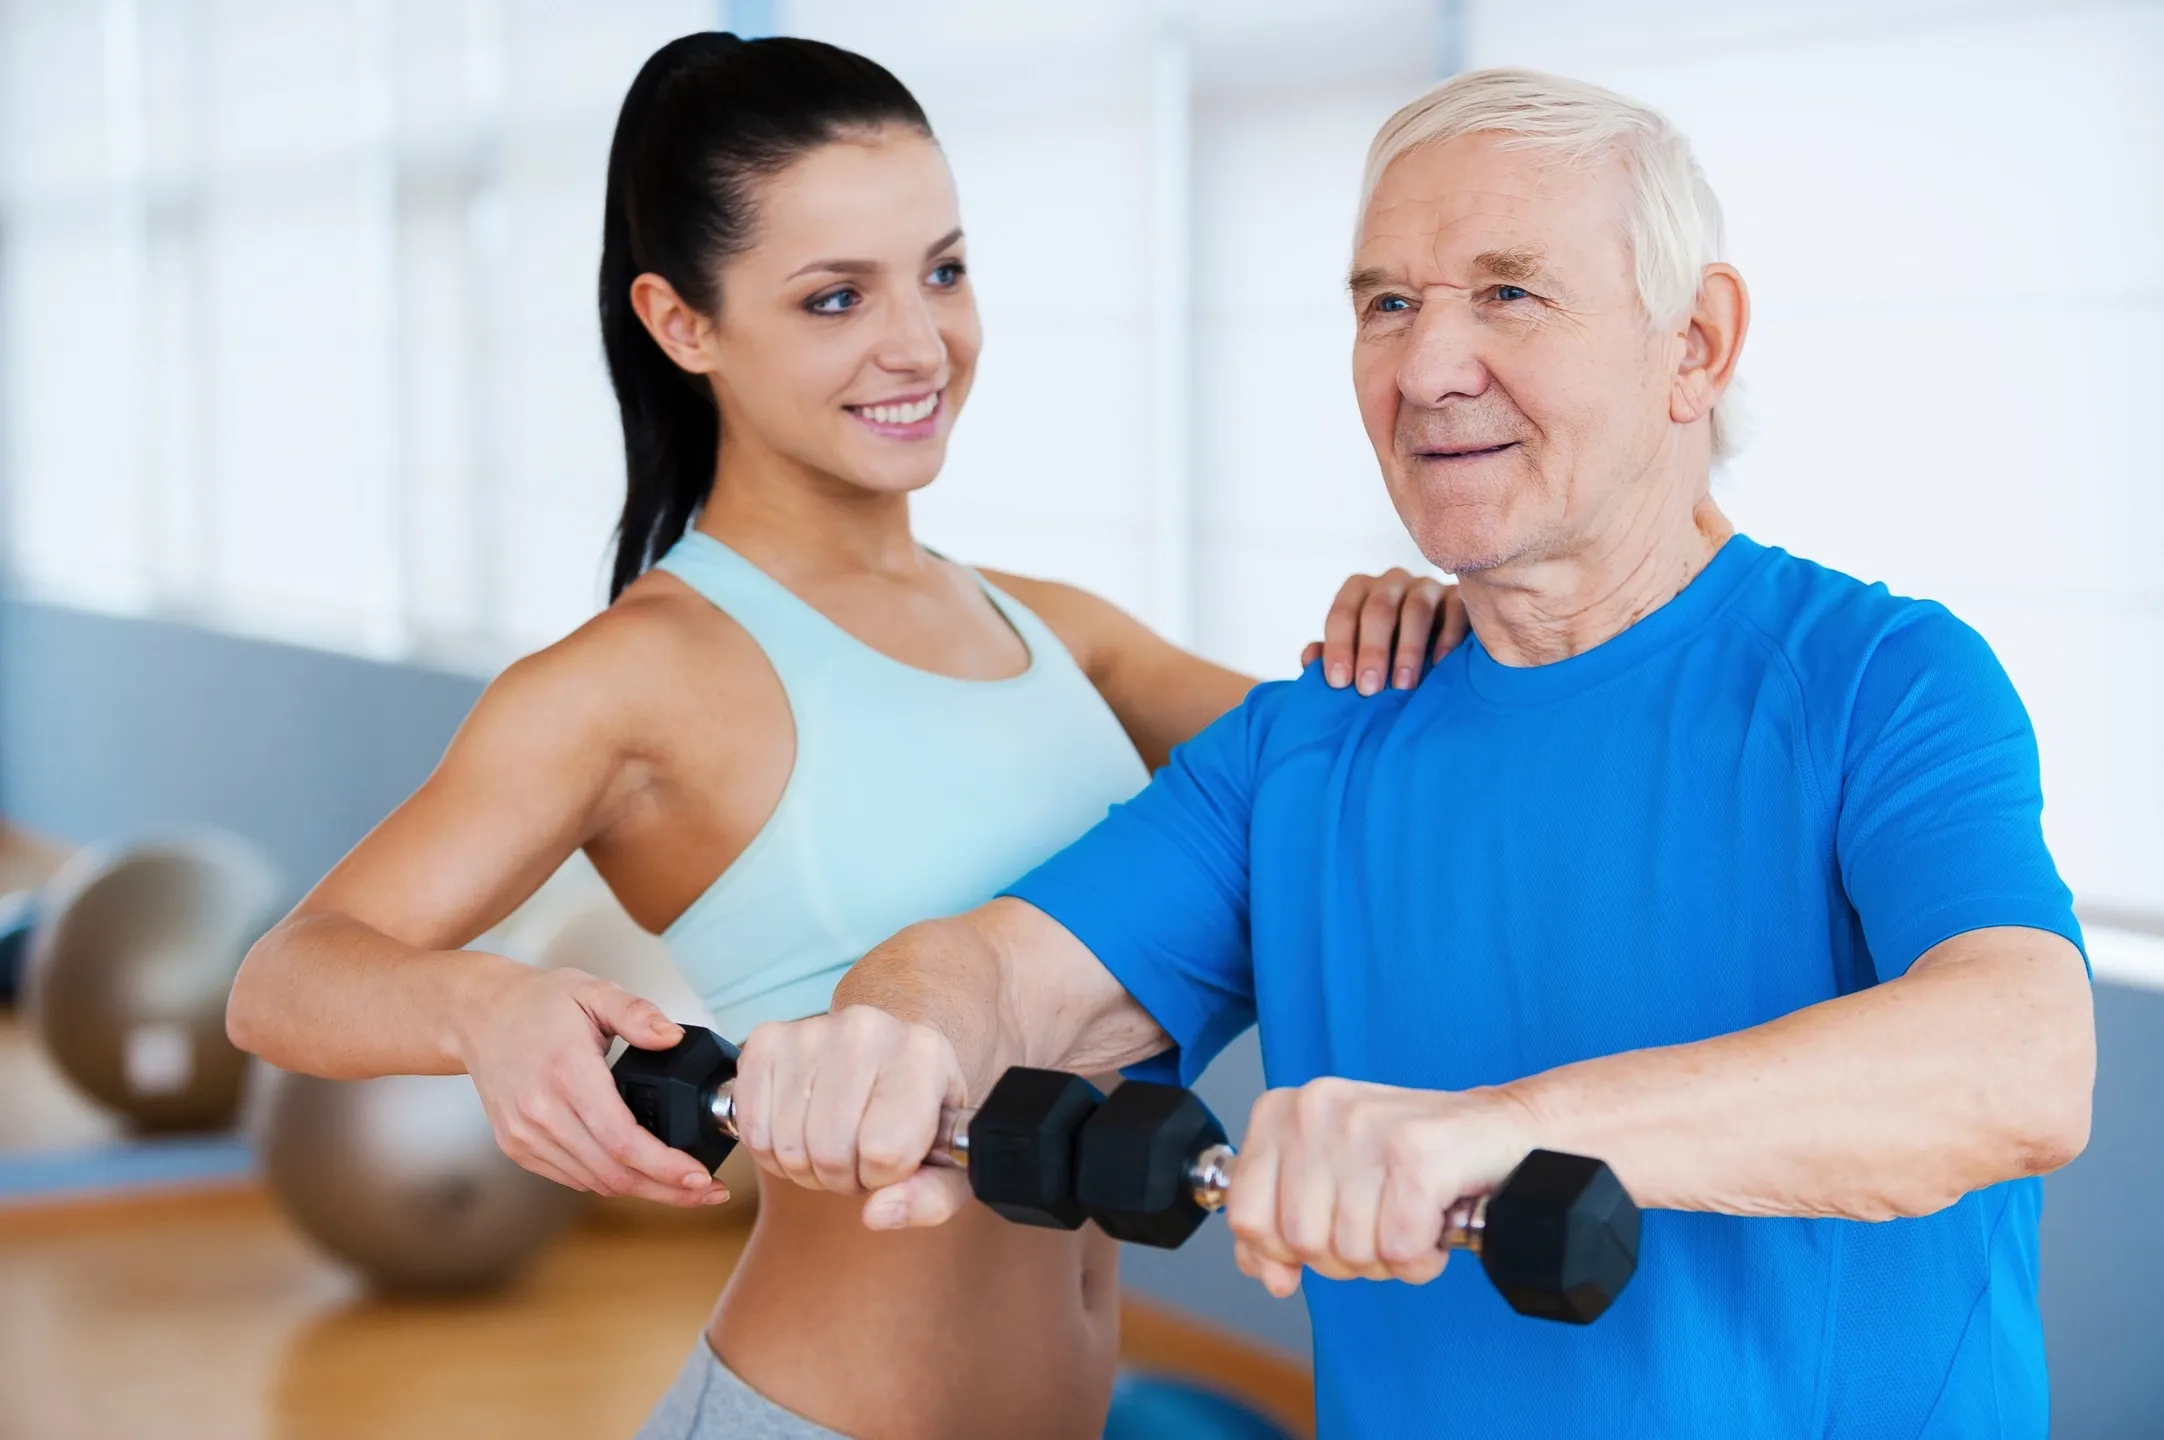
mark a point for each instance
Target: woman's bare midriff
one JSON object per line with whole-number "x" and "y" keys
{"x": 979, "y": 1327}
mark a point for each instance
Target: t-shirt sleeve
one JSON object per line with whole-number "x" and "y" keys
{"x": 1158, "y": 892}
{"x": 1941, "y": 815}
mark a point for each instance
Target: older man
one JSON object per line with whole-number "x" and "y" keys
{"x": 1698, "y": 857}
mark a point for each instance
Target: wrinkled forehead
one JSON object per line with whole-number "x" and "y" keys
{"x": 1438, "y": 209}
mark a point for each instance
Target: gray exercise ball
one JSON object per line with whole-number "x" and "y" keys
{"x": 129, "y": 968}
{"x": 400, "y": 1178}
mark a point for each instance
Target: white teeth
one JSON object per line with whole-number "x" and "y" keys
{"x": 908, "y": 414}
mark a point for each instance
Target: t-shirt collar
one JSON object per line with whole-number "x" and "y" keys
{"x": 1652, "y": 632}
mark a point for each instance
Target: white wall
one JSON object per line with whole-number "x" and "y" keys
{"x": 298, "y": 334}
{"x": 1951, "y": 215}
{"x": 298, "y": 312}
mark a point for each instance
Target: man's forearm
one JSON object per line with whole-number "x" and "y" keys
{"x": 1007, "y": 985}
{"x": 1976, "y": 1067}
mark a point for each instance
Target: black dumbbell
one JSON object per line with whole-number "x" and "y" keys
{"x": 1018, "y": 1146}
{"x": 1558, "y": 1238}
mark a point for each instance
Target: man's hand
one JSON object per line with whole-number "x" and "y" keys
{"x": 1384, "y": 629}
{"x": 1352, "y": 1180}
{"x": 850, "y": 1102}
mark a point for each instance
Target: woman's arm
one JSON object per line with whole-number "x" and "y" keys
{"x": 1164, "y": 695}
{"x": 365, "y": 977}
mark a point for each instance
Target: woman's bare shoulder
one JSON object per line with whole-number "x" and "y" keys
{"x": 659, "y": 649}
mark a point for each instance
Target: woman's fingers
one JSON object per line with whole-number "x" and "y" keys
{"x": 1378, "y": 631}
{"x": 639, "y": 1163}
{"x": 1341, "y": 631}
{"x": 1416, "y": 620}
{"x": 528, "y": 1141}
{"x": 1456, "y": 624}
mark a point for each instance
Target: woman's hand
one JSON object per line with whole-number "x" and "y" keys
{"x": 1387, "y": 626}
{"x": 537, "y": 1047}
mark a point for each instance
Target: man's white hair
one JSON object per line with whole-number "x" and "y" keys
{"x": 1671, "y": 220}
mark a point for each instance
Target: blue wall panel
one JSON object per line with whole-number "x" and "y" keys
{"x": 112, "y": 728}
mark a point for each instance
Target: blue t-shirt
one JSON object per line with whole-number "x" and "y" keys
{"x": 1781, "y": 787}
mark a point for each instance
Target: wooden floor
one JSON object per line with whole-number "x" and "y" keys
{"x": 205, "y": 1314}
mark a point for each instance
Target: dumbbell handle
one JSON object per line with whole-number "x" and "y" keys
{"x": 1209, "y": 1179}
{"x": 1209, "y": 1174}
{"x": 950, "y": 1149}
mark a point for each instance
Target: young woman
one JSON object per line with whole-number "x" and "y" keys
{"x": 793, "y": 732}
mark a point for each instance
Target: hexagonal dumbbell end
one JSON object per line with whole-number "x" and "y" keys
{"x": 1560, "y": 1237}
{"x": 1131, "y": 1166}
{"x": 1022, "y": 1146}
{"x": 671, "y": 1092}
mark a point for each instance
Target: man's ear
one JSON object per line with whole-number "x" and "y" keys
{"x": 1712, "y": 341}
{"x": 677, "y": 328}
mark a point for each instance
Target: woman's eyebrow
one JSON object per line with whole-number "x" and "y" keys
{"x": 871, "y": 267}
{"x": 838, "y": 267}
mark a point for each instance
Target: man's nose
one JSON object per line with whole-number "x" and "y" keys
{"x": 911, "y": 343}
{"x": 1441, "y": 357}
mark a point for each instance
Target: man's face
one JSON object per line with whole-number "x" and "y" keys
{"x": 1510, "y": 381}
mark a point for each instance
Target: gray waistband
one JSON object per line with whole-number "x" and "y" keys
{"x": 708, "y": 1402}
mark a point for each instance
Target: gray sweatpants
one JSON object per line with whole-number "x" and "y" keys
{"x": 708, "y": 1402}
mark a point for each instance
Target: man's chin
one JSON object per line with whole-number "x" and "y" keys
{"x": 1463, "y": 534}
{"x": 1462, "y": 554}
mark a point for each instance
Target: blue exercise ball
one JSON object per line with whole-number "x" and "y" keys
{"x": 1157, "y": 1407}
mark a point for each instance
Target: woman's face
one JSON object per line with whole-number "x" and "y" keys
{"x": 847, "y": 333}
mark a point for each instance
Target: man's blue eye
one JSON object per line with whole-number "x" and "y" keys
{"x": 833, "y": 302}
{"x": 1391, "y": 304}
{"x": 1510, "y": 292}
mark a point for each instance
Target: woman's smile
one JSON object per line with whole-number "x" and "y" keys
{"x": 914, "y": 417}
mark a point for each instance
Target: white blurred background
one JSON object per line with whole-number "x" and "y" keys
{"x": 298, "y": 334}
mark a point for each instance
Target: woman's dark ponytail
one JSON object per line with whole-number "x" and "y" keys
{"x": 707, "y": 116}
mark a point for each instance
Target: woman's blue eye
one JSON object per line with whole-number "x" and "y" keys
{"x": 1510, "y": 292}
{"x": 949, "y": 274}
{"x": 833, "y": 302}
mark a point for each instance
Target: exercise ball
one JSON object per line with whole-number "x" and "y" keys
{"x": 18, "y": 913}
{"x": 1157, "y": 1407}
{"x": 400, "y": 1178}
{"x": 129, "y": 968}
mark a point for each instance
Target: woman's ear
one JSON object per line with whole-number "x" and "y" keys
{"x": 677, "y": 328}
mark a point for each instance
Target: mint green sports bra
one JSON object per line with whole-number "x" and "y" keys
{"x": 914, "y": 795}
